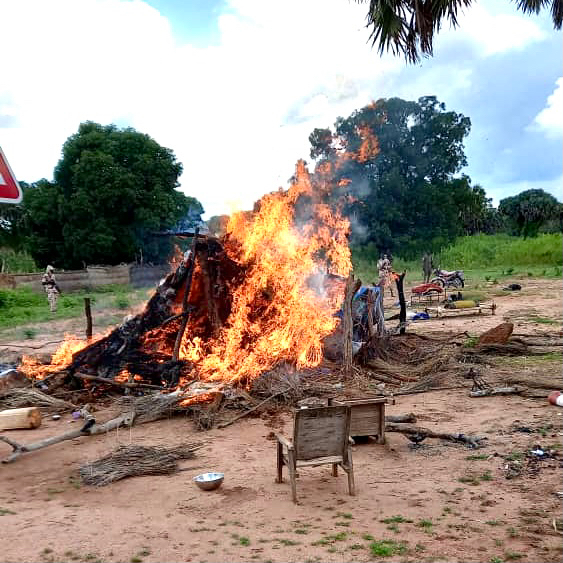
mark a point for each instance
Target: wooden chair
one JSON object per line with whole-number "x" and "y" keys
{"x": 320, "y": 436}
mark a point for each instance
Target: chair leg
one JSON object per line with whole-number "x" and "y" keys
{"x": 292, "y": 478}
{"x": 279, "y": 478}
{"x": 335, "y": 469}
{"x": 350, "y": 471}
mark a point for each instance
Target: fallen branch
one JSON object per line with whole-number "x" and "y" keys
{"x": 242, "y": 415}
{"x": 407, "y": 429}
{"x": 125, "y": 384}
{"x": 496, "y": 391}
{"x": 90, "y": 428}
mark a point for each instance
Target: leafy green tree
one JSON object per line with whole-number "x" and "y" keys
{"x": 529, "y": 210}
{"x": 112, "y": 190}
{"x": 409, "y": 26}
{"x": 407, "y": 196}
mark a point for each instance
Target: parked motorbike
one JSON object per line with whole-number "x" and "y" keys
{"x": 445, "y": 278}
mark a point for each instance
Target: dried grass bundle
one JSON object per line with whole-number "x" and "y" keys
{"x": 133, "y": 460}
{"x": 16, "y": 398}
{"x": 152, "y": 407}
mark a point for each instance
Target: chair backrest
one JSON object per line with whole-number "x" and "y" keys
{"x": 321, "y": 432}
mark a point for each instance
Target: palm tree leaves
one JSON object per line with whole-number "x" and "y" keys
{"x": 409, "y": 26}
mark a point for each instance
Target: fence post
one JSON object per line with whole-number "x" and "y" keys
{"x": 88, "y": 313}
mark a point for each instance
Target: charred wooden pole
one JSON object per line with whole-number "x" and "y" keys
{"x": 402, "y": 303}
{"x": 212, "y": 311}
{"x": 188, "y": 286}
{"x": 348, "y": 322}
{"x": 88, "y": 313}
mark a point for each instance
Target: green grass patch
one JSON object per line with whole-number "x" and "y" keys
{"x": 539, "y": 256}
{"x": 478, "y": 457}
{"x": 387, "y": 548}
{"x": 4, "y": 511}
{"x": 425, "y": 524}
{"x": 398, "y": 519}
{"x": 544, "y": 320}
{"x": 23, "y": 306}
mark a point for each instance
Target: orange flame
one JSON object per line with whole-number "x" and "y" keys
{"x": 33, "y": 369}
{"x": 278, "y": 313}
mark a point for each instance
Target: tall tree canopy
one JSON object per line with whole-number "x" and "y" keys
{"x": 112, "y": 189}
{"x": 409, "y": 26}
{"x": 407, "y": 196}
{"x": 529, "y": 210}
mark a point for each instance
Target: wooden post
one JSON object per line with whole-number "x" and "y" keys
{"x": 88, "y": 313}
{"x": 403, "y": 312}
{"x": 348, "y": 322}
{"x": 188, "y": 286}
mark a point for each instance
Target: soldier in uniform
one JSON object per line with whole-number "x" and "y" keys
{"x": 384, "y": 269}
{"x": 51, "y": 288}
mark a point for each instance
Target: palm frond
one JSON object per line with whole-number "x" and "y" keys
{"x": 409, "y": 26}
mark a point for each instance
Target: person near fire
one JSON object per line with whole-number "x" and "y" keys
{"x": 51, "y": 288}
{"x": 384, "y": 269}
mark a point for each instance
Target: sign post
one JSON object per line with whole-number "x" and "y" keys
{"x": 10, "y": 191}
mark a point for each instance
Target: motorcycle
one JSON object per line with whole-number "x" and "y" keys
{"x": 449, "y": 279}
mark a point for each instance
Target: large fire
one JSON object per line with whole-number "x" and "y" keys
{"x": 280, "y": 311}
{"x": 289, "y": 249}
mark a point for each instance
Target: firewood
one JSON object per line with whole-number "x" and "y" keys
{"x": 26, "y": 417}
{"x": 408, "y": 429}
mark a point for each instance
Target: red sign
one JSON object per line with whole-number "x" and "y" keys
{"x": 10, "y": 191}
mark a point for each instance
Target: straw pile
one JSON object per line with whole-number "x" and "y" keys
{"x": 133, "y": 460}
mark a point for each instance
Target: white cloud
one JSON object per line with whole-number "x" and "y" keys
{"x": 495, "y": 28}
{"x": 238, "y": 114}
{"x": 550, "y": 119}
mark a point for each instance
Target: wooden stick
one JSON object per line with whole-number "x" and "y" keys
{"x": 88, "y": 429}
{"x": 229, "y": 422}
{"x": 409, "y": 429}
{"x": 187, "y": 289}
{"x": 403, "y": 312}
{"x": 115, "y": 383}
{"x": 88, "y": 313}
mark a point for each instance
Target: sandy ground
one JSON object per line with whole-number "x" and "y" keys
{"x": 437, "y": 502}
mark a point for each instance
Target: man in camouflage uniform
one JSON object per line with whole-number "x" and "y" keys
{"x": 51, "y": 288}
{"x": 384, "y": 269}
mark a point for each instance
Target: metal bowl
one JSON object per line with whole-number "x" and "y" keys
{"x": 209, "y": 481}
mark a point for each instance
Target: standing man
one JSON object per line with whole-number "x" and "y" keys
{"x": 384, "y": 269}
{"x": 51, "y": 288}
{"x": 427, "y": 265}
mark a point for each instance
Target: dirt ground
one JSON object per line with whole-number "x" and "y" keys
{"x": 435, "y": 502}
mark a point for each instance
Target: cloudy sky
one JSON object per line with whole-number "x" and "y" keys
{"x": 234, "y": 87}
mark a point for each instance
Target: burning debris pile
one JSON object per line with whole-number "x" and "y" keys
{"x": 264, "y": 295}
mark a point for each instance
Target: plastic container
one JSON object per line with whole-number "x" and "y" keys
{"x": 556, "y": 398}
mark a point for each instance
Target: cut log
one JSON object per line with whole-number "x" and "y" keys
{"x": 27, "y": 417}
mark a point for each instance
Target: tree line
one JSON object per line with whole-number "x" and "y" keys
{"x": 114, "y": 189}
